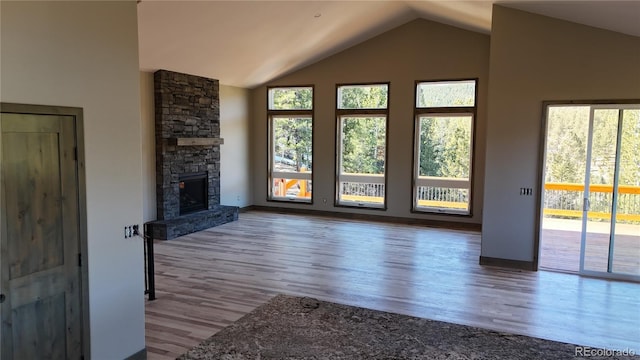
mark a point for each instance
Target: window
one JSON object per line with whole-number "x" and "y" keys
{"x": 290, "y": 123}
{"x": 443, "y": 146}
{"x": 362, "y": 112}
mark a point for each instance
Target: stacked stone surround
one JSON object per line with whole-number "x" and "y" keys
{"x": 190, "y": 223}
{"x": 186, "y": 106}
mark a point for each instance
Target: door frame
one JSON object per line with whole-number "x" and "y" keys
{"x": 541, "y": 167}
{"x": 77, "y": 114}
{"x": 595, "y": 273}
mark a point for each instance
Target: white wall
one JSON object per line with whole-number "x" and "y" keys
{"x": 147, "y": 114}
{"x": 418, "y": 50}
{"x": 235, "y": 169}
{"x": 536, "y": 58}
{"x": 85, "y": 54}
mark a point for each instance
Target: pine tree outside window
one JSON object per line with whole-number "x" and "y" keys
{"x": 362, "y": 114}
{"x": 290, "y": 129}
{"x": 443, "y": 146}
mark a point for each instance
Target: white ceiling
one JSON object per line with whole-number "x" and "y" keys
{"x": 247, "y": 43}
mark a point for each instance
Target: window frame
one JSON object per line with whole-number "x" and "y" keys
{"x": 442, "y": 111}
{"x": 272, "y": 174}
{"x": 354, "y": 113}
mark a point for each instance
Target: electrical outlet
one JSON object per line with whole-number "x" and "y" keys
{"x": 136, "y": 231}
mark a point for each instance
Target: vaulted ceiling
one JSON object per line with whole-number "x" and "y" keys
{"x": 247, "y": 43}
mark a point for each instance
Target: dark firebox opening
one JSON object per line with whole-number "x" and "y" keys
{"x": 193, "y": 193}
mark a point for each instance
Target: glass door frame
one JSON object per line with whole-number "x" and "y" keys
{"x": 614, "y": 195}
{"x": 594, "y": 105}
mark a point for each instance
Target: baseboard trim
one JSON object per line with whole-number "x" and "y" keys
{"x": 507, "y": 263}
{"x": 369, "y": 217}
{"x": 140, "y": 355}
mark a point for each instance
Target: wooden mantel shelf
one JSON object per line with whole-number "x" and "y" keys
{"x": 196, "y": 141}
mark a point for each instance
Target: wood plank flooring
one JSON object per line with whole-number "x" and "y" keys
{"x": 209, "y": 279}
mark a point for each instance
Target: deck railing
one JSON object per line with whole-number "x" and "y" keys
{"x": 565, "y": 200}
{"x": 562, "y": 200}
{"x": 428, "y": 196}
{"x": 442, "y": 197}
{"x": 361, "y": 189}
{"x": 362, "y": 192}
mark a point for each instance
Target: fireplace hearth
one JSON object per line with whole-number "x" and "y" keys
{"x": 187, "y": 114}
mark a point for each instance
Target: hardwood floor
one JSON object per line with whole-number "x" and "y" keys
{"x": 209, "y": 279}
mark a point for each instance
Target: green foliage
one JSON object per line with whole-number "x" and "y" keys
{"x": 445, "y": 141}
{"x": 567, "y": 144}
{"x": 566, "y": 150}
{"x": 363, "y": 145}
{"x": 363, "y": 137}
{"x": 630, "y": 149}
{"x": 566, "y": 154}
{"x": 446, "y": 94}
{"x": 363, "y": 97}
{"x": 292, "y": 135}
{"x": 445, "y": 146}
{"x": 292, "y": 140}
{"x": 291, "y": 98}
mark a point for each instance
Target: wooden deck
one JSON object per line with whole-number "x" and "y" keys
{"x": 560, "y": 246}
{"x": 209, "y": 279}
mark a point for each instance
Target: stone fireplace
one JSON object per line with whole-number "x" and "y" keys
{"x": 187, "y": 121}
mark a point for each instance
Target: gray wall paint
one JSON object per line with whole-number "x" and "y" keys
{"x": 536, "y": 58}
{"x": 419, "y": 50}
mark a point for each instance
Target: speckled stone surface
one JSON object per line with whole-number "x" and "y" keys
{"x": 290, "y": 327}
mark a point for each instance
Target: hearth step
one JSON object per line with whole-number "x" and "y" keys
{"x": 190, "y": 223}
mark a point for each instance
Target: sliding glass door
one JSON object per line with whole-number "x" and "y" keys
{"x": 627, "y": 202}
{"x": 592, "y": 190}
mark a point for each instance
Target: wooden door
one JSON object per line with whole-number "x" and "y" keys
{"x": 40, "y": 277}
